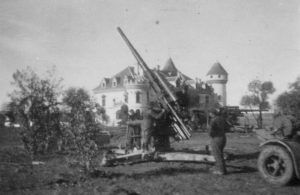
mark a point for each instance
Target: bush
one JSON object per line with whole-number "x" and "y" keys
{"x": 49, "y": 125}
{"x": 80, "y": 125}
{"x": 34, "y": 103}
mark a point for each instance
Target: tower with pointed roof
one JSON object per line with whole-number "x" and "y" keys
{"x": 217, "y": 77}
{"x": 171, "y": 73}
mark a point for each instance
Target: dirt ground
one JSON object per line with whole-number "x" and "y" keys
{"x": 19, "y": 176}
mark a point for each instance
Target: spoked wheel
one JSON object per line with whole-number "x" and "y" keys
{"x": 275, "y": 165}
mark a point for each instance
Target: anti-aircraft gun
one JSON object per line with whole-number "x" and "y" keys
{"x": 169, "y": 102}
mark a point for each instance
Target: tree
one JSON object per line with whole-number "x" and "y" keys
{"x": 47, "y": 122}
{"x": 289, "y": 101}
{"x": 34, "y": 103}
{"x": 80, "y": 124}
{"x": 81, "y": 111}
{"x": 258, "y": 97}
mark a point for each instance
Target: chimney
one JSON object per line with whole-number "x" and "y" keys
{"x": 158, "y": 67}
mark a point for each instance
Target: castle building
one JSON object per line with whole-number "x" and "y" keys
{"x": 130, "y": 88}
{"x": 217, "y": 77}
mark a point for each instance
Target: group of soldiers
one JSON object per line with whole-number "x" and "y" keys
{"x": 152, "y": 130}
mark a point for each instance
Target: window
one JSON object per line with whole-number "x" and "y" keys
{"x": 126, "y": 97}
{"x": 138, "y": 97}
{"x": 114, "y": 101}
{"x": 211, "y": 76}
{"x": 207, "y": 99}
{"x": 103, "y": 84}
{"x": 219, "y": 76}
{"x": 103, "y": 100}
{"x": 114, "y": 83}
{"x": 219, "y": 97}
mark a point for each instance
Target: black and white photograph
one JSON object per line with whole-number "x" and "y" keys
{"x": 144, "y": 97}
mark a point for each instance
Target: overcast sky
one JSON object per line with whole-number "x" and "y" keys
{"x": 250, "y": 38}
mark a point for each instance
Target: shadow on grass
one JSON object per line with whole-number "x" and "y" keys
{"x": 295, "y": 182}
{"x": 120, "y": 190}
{"x": 191, "y": 151}
{"x": 241, "y": 157}
{"x": 237, "y": 158}
{"x": 241, "y": 169}
{"x": 153, "y": 173}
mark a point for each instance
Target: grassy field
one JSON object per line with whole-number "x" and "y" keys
{"x": 19, "y": 176}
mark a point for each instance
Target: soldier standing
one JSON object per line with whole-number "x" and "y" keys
{"x": 155, "y": 125}
{"x": 130, "y": 130}
{"x": 217, "y": 135}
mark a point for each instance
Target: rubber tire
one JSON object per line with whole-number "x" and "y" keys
{"x": 280, "y": 151}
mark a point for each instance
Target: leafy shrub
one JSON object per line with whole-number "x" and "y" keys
{"x": 50, "y": 125}
{"x": 35, "y": 105}
{"x": 80, "y": 125}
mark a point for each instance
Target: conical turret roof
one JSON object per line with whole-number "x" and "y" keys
{"x": 217, "y": 68}
{"x": 169, "y": 68}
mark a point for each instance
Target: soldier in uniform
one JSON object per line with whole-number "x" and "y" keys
{"x": 130, "y": 130}
{"x": 151, "y": 125}
{"x": 282, "y": 128}
{"x": 216, "y": 131}
{"x": 155, "y": 124}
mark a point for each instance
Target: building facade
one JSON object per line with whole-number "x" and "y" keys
{"x": 125, "y": 88}
{"x": 130, "y": 88}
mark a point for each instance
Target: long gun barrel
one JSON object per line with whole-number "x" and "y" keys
{"x": 160, "y": 87}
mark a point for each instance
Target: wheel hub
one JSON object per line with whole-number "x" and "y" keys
{"x": 275, "y": 166}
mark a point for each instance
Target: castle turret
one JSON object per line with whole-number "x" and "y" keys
{"x": 217, "y": 77}
{"x": 171, "y": 73}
